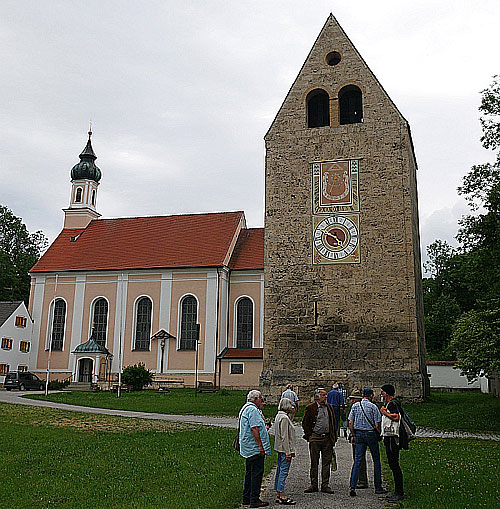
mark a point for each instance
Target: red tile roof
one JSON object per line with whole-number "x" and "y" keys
{"x": 249, "y": 250}
{"x": 192, "y": 240}
{"x": 243, "y": 353}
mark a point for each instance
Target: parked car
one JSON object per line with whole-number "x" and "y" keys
{"x": 23, "y": 380}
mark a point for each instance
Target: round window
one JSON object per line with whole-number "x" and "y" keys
{"x": 333, "y": 58}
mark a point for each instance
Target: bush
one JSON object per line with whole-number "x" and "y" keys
{"x": 56, "y": 385}
{"x": 137, "y": 376}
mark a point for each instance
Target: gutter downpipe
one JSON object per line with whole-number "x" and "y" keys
{"x": 217, "y": 325}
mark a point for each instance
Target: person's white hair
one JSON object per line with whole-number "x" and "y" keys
{"x": 253, "y": 395}
{"x": 317, "y": 391}
{"x": 335, "y": 385}
{"x": 285, "y": 405}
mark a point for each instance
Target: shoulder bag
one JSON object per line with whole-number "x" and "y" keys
{"x": 236, "y": 441}
{"x": 407, "y": 423}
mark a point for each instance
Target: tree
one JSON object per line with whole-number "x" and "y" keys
{"x": 476, "y": 341}
{"x": 462, "y": 277}
{"x": 19, "y": 251}
{"x": 137, "y": 376}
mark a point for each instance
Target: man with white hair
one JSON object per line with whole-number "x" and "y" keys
{"x": 254, "y": 445}
{"x": 292, "y": 396}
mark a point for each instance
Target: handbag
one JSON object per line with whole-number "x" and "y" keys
{"x": 408, "y": 425}
{"x": 377, "y": 432}
{"x": 390, "y": 428}
{"x": 236, "y": 441}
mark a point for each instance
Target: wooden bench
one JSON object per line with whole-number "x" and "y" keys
{"x": 206, "y": 387}
{"x": 125, "y": 388}
{"x": 163, "y": 383}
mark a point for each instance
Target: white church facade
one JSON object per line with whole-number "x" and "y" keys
{"x": 110, "y": 293}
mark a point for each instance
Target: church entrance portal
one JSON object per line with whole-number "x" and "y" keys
{"x": 85, "y": 370}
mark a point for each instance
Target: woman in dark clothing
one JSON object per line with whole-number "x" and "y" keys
{"x": 392, "y": 410}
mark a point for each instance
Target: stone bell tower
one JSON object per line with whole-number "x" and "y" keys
{"x": 343, "y": 294}
{"x": 85, "y": 177}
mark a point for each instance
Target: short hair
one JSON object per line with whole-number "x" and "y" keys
{"x": 367, "y": 392}
{"x": 285, "y": 405}
{"x": 335, "y": 385}
{"x": 289, "y": 386}
{"x": 317, "y": 391}
{"x": 389, "y": 389}
{"x": 253, "y": 395}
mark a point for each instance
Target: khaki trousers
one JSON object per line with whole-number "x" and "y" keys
{"x": 321, "y": 446}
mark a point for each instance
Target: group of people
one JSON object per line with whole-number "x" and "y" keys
{"x": 321, "y": 425}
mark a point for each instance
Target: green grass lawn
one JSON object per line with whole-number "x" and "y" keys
{"x": 442, "y": 411}
{"x": 449, "y": 473}
{"x": 177, "y": 401}
{"x": 69, "y": 459}
{"x": 457, "y": 411}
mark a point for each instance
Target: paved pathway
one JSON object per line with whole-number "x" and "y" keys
{"x": 298, "y": 480}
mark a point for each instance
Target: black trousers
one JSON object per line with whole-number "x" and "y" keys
{"x": 392, "y": 451}
{"x": 253, "y": 478}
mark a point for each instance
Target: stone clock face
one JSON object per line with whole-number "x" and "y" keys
{"x": 336, "y": 239}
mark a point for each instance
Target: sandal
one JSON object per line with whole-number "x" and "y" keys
{"x": 285, "y": 501}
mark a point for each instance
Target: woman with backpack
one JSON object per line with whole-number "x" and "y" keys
{"x": 393, "y": 411}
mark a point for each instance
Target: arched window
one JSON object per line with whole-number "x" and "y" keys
{"x": 93, "y": 197}
{"x": 318, "y": 108}
{"x": 78, "y": 197}
{"x": 244, "y": 323}
{"x": 143, "y": 323}
{"x": 351, "y": 105}
{"x": 100, "y": 320}
{"x": 58, "y": 320}
{"x": 189, "y": 316}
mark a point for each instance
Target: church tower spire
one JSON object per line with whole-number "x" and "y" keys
{"x": 85, "y": 177}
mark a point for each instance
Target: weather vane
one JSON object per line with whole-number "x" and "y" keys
{"x": 90, "y": 127}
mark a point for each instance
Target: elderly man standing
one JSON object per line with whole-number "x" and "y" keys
{"x": 292, "y": 396}
{"x": 364, "y": 424}
{"x": 254, "y": 445}
{"x": 320, "y": 431}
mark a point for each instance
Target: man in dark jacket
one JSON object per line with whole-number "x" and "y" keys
{"x": 320, "y": 430}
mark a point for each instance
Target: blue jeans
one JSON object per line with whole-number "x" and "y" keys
{"x": 364, "y": 439}
{"x": 281, "y": 472}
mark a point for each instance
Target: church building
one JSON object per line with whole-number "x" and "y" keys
{"x": 330, "y": 289}
{"x": 110, "y": 293}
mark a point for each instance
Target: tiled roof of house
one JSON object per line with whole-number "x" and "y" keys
{"x": 249, "y": 250}
{"x": 7, "y": 308}
{"x": 243, "y": 353}
{"x": 191, "y": 240}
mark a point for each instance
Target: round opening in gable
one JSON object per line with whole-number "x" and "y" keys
{"x": 333, "y": 58}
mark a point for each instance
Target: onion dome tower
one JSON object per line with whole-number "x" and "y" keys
{"x": 85, "y": 177}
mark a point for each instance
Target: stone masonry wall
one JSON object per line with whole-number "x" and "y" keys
{"x": 369, "y": 324}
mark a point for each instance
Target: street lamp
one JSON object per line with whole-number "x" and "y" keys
{"x": 196, "y": 361}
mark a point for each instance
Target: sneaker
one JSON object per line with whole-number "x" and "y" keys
{"x": 352, "y": 492}
{"x": 381, "y": 491}
{"x": 311, "y": 489}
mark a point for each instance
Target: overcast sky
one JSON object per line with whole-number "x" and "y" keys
{"x": 181, "y": 94}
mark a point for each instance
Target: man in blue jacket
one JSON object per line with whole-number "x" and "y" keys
{"x": 254, "y": 445}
